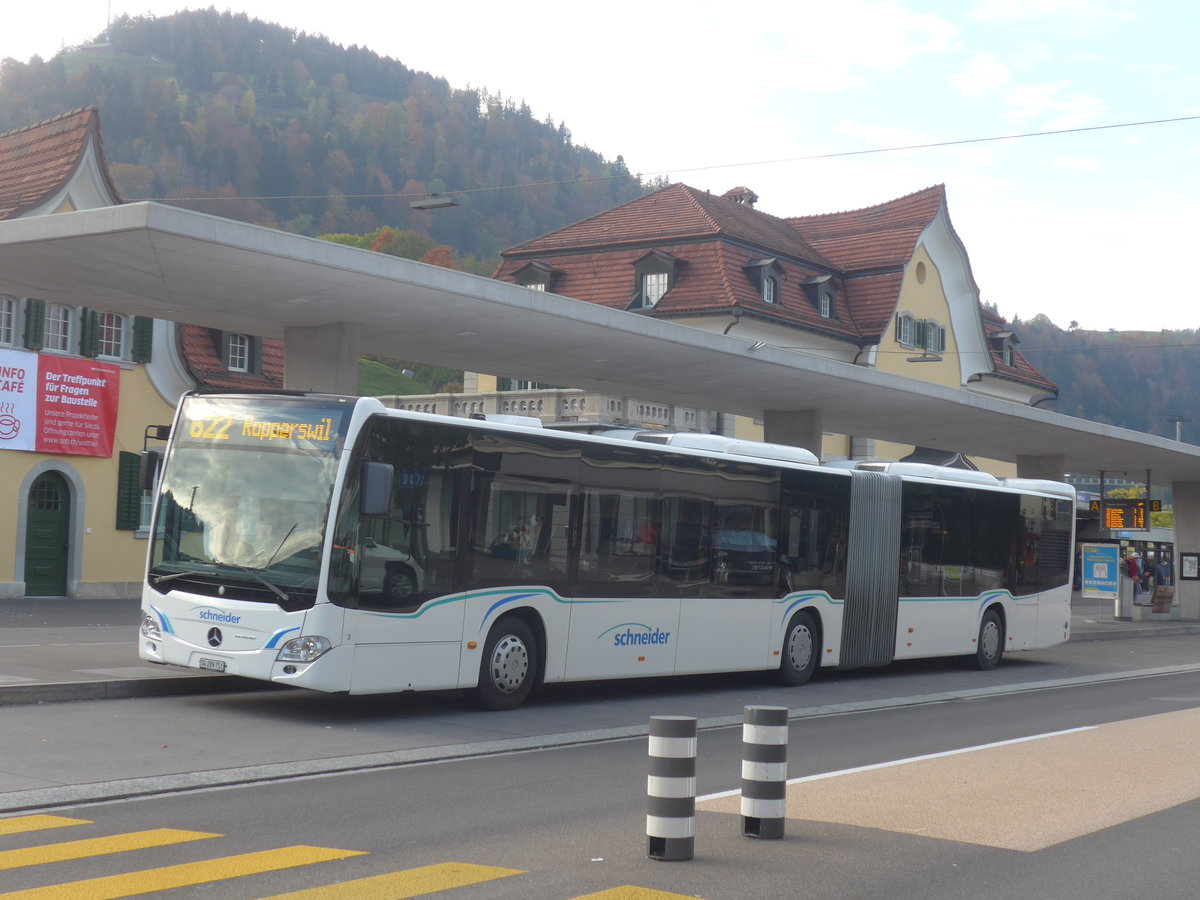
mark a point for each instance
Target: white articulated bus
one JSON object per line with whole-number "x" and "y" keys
{"x": 335, "y": 544}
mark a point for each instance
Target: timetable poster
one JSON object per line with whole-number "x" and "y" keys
{"x": 57, "y": 404}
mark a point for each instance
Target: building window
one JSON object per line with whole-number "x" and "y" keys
{"x": 1007, "y": 352}
{"x": 826, "y": 305}
{"x": 8, "y": 320}
{"x": 57, "y": 333}
{"x": 770, "y": 289}
{"x": 654, "y": 285}
{"x": 110, "y": 336}
{"x": 933, "y": 336}
{"x": 905, "y": 328}
{"x": 237, "y": 353}
{"x": 536, "y": 285}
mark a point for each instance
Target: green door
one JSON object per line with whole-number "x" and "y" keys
{"x": 46, "y": 536}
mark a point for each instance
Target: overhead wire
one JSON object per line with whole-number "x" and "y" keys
{"x": 587, "y": 179}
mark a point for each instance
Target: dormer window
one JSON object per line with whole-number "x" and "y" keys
{"x": 825, "y": 305}
{"x": 654, "y": 285}
{"x": 655, "y": 274}
{"x": 767, "y": 276}
{"x": 237, "y": 352}
{"x": 822, "y": 293}
{"x": 1004, "y": 341}
{"x": 537, "y": 276}
{"x": 770, "y": 289}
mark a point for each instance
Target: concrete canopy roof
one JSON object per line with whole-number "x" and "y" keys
{"x": 169, "y": 263}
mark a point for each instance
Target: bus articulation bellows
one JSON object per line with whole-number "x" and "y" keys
{"x": 335, "y": 544}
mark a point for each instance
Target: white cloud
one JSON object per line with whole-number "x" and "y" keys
{"x": 1078, "y": 163}
{"x": 983, "y": 73}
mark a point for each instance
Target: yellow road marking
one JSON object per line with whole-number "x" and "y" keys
{"x": 25, "y": 824}
{"x": 99, "y": 846}
{"x": 164, "y": 879}
{"x": 629, "y": 892}
{"x": 1022, "y": 796}
{"x": 400, "y": 885}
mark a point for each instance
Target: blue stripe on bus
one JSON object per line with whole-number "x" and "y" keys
{"x": 795, "y": 601}
{"x": 163, "y": 621}
{"x": 274, "y": 639}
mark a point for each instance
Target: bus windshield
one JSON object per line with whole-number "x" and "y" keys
{"x": 245, "y": 497}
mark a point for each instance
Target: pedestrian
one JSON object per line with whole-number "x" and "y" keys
{"x": 1133, "y": 569}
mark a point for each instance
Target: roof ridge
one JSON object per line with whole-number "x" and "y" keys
{"x": 940, "y": 187}
{"x": 49, "y": 121}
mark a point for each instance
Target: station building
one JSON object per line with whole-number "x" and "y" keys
{"x": 79, "y": 386}
{"x": 888, "y": 287}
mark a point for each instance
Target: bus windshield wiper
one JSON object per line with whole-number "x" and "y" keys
{"x": 254, "y": 573}
{"x": 159, "y": 579}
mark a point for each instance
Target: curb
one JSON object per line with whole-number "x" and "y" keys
{"x": 123, "y": 689}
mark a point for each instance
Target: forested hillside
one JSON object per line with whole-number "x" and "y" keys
{"x": 1135, "y": 379}
{"x": 253, "y": 121}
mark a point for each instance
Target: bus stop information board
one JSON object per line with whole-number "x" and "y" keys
{"x": 1124, "y": 515}
{"x": 1101, "y": 571}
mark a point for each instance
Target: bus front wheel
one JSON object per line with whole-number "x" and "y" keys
{"x": 801, "y": 650}
{"x": 990, "y": 646}
{"x": 509, "y": 665}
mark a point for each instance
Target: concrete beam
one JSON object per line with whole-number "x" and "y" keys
{"x": 794, "y": 428}
{"x": 322, "y": 358}
{"x": 1049, "y": 468}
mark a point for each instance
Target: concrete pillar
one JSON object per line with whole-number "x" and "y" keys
{"x": 794, "y": 428}
{"x": 1186, "y": 496}
{"x": 1049, "y": 468}
{"x": 322, "y": 358}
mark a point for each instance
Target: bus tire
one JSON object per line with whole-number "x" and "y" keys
{"x": 989, "y": 648}
{"x": 509, "y": 665}
{"x": 801, "y": 650}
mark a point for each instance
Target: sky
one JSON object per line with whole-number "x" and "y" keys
{"x": 804, "y": 102}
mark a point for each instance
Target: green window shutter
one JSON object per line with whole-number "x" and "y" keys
{"x": 129, "y": 492}
{"x": 143, "y": 339}
{"x": 89, "y": 332}
{"x": 35, "y": 324}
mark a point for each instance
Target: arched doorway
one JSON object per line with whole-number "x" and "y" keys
{"x": 47, "y": 536}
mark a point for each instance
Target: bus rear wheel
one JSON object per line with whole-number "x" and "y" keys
{"x": 509, "y": 665}
{"x": 990, "y": 646}
{"x": 801, "y": 650}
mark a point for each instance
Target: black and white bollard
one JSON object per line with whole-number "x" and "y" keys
{"x": 764, "y": 771}
{"x": 671, "y": 788}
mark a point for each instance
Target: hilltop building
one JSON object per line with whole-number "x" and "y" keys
{"x": 79, "y": 386}
{"x": 888, "y": 286}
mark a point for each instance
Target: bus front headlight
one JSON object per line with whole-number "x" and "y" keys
{"x": 150, "y": 628}
{"x": 304, "y": 649}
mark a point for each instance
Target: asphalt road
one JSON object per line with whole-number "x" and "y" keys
{"x": 537, "y": 806}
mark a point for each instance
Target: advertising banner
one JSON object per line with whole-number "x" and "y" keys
{"x": 57, "y": 404}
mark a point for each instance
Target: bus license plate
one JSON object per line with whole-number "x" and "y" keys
{"x": 215, "y": 665}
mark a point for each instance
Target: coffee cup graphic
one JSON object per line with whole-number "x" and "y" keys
{"x": 10, "y": 425}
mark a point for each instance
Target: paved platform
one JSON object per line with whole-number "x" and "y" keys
{"x": 61, "y": 649}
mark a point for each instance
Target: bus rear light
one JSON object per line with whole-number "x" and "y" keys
{"x": 304, "y": 649}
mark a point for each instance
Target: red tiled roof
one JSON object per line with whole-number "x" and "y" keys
{"x": 876, "y": 236}
{"x": 1021, "y": 369}
{"x": 201, "y": 352}
{"x": 864, "y": 251}
{"x": 38, "y": 160}
{"x": 673, "y": 214}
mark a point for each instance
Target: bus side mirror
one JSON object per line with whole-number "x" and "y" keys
{"x": 375, "y": 489}
{"x": 148, "y": 469}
